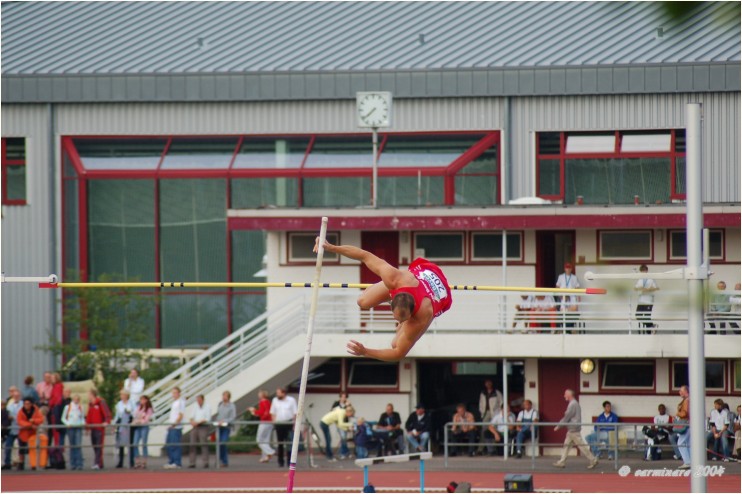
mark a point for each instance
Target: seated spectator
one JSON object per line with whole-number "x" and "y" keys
{"x": 498, "y": 426}
{"x": 603, "y": 434}
{"x": 339, "y": 417}
{"x": 522, "y": 308}
{"x": 526, "y": 432}
{"x": 362, "y": 438}
{"x": 716, "y": 438}
{"x": 464, "y": 430}
{"x": 389, "y": 432}
{"x": 418, "y": 428}
{"x": 30, "y": 419}
{"x": 28, "y": 390}
{"x": 657, "y": 434}
{"x": 543, "y": 309}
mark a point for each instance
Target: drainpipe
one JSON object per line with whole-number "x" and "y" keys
{"x": 51, "y": 143}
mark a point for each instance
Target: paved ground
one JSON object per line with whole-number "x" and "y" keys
{"x": 487, "y": 473}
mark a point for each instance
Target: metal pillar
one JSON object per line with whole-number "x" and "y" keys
{"x": 695, "y": 274}
{"x": 505, "y": 409}
{"x": 375, "y": 172}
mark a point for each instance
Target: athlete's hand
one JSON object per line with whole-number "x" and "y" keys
{"x": 356, "y": 348}
{"x": 327, "y": 246}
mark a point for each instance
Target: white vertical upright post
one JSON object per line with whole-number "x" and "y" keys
{"x": 695, "y": 274}
{"x": 505, "y": 408}
{"x": 375, "y": 170}
{"x": 307, "y": 353}
{"x": 504, "y": 298}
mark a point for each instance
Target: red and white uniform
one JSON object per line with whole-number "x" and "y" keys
{"x": 432, "y": 284}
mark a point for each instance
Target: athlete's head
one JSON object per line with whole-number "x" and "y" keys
{"x": 403, "y": 304}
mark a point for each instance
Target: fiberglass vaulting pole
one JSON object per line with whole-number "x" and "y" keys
{"x": 695, "y": 275}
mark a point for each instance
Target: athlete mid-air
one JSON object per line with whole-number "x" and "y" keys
{"x": 417, "y": 296}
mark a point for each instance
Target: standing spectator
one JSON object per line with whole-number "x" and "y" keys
{"x": 716, "y": 438}
{"x": 490, "y": 400}
{"x": 572, "y": 420}
{"x": 15, "y": 403}
{"x": 29, "y": 421}
{"x": 464, "y": 430}
{"x": 55, "y": 407}
{"x": 134, "y": 385}
{"x": 226, "y": 414}
{"x": 719, "y": 308}
{"x": 265, "y": 428}
{"x": 342, "y": 402}
{"x": 140, "y": 424}
{"x": 568, "y": 280}
{"x": 175, "y": 431}
{"x": 200, "y": 417}
{"x": 658, "y": 433}
{"x": 283, "y": 409}
{"x": 361, "y": 438}
{"x": 527, "y": 416}
{"x": 74, "y": 418}
{"x": 124, "y": 416}
{"x": 339, "y": 417}
{"x": 44, "y": 389}
{"x": 418, "y": 427}
{"x": 58, "y": 411}
{"x": 5, "y": 421}
{"x": 28, "y": 390}
{"x": 389, "y": 431}
{"x": 98, "y": 416}
{"x": 602, "y": 434}
{"x": 498, "y": 426}
{"x": 681, "y": 427}
{"x": 737, "y": 434}
{"x": 646, "y": 288}
{"x": 735, "y": 302}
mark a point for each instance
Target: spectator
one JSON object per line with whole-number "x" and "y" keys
{"x": 15, "y": 403}
{"x": 572, "y": 420}
{"x": 140, "y": 424}
{"x": 29, "y": 421}
{"x": 658, "y": 433}
{"x": 342, "y": 402}
{"x": 389, "y": 431}
{"x": 521, "y": 311}
{"x": 200, "y": 417}
{"x": 681, "y": 427}
{"x": 734, "y": 308}
{"x": 719, "y": 308}
{"x": 527, "y": 416}
{"x": 602, "y": 434}
{"x": 58, "y": 411}
{"x": 5, "y": 421}
{"x": 44, "y": 389}
{"x": 498, "y": 426}
{"x": 283, "y": 409}
{"x": 716, "y": 438}
{"x": 543, "y": 308}
{"x": 265, "y": 428}
{"x": 490, "y": 400}
{"x": 125, "y": 408}
{"x": 226, "y": 414}
{"x": 175, "y": 431}
{"x": 28, "y": 390}
{"x": 339, "y": 417}
{"x": 646, "y": 288}
{"x": 464, "y": 430}
{"x": 98, "y": 416}
{"x": 418, "y": 427}
{"x": 134, "y": 385}
{"x": 74, "y": 418}
{"x": 55, "y": 407}
{"x": 362, "y": 438}
{"x": 568, "y": 280}
{"x": 736, "y": 447}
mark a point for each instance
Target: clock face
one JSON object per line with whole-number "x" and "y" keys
{"x": 373, "y": 110}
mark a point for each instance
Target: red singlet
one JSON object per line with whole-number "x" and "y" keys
{"x": 432, "y": 284}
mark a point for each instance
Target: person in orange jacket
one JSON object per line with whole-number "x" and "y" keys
{"x": 29, "y": 419}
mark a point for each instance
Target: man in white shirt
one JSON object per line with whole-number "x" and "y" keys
{"x": 527, "y": 416}
{"x": 498, "y": 427}
{"x": 646, "y": 289}
{"x": 175, "y": 431}
{"x": 199, "y": 418}
{"x": 569, "y": 280}
{"x": 659, "y": 433}
{"x": 283, "y": 409}
{"x": 134, "y": 385}
{"x": 717, "y": 436}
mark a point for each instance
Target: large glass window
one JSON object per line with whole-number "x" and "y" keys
{"x": 440, "y": 246}
{"x": 199, "y": 153}
{"x": 259, "y": 193}
{"x": 365, "y": 373}
{"x": 340, "y": 152}
{"x": 120, "y": 153}
{"x": 628, "y": 375}
{"x": 301, "y": 247}
{"x": 487, "y": 246}
{"x": 425, "y": 150}
{"x": 337, "y": 192}
{"x": 625, "y": 245}
{"x": 14, "y": 171}
{"x": 271, "y": 152}
{"x": 678, "y": 245}
{"x": 476, "y": 183}
{"x": 411, "y": 191}
{"x": 715, "y": 375}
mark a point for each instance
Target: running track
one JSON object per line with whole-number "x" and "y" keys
{"x": 583, "y": 482}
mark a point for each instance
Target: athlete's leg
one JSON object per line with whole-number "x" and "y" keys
{"x": 373, "y": 296}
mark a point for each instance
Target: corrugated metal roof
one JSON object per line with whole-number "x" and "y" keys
{"x": 222, "y": 37}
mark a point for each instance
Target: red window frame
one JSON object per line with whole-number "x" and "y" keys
{"x": 5, "y": 164}
{"x": 562, "y": 156}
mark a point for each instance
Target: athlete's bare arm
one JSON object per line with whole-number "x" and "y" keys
{"x": 407, "y": 335}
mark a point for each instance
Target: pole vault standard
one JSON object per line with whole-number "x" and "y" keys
{"x": 307, "y": 352}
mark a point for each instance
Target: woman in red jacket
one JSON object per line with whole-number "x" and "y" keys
{"x": 98, "y": 414}
{"x": 265, "y": 428}
{"x": 55, "y": 408}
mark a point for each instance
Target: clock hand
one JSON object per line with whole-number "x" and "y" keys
{"x": 369, "y": 113}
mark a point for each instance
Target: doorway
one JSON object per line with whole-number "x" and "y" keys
{"x": 382, "y": 244}
{"x": 554, "y": 376}
{"x": 553, "y": 249}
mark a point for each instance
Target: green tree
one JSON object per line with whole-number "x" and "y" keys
{"x": 118, "y": 323}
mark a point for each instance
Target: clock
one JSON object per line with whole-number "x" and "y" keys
{"x": 374, "y": 109}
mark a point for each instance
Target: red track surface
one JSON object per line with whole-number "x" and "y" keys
{"x": 235, "y": 480}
